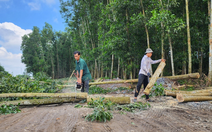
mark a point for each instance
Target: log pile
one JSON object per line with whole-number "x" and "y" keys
{"x": 190, "y": 96}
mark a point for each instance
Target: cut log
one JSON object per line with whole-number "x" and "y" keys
{"x": 178, "y": 77}
{"x": 117, "y": 100}
{"x": 60, "y": 95}
{"x": 154, "y": 78}
{"x": 186, "y": 76}
{"x": 174, "y": 92}
{"x": 42, "y": 101}
{"x": 187, "y": 98}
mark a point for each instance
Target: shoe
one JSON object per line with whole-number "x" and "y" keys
{"x": 134, "y": 100}
{"x": 149, "y": 100}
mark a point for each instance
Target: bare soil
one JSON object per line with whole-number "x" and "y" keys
{"x": 165, "y": 115}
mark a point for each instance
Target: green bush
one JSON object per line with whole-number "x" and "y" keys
{"x": 8, "y": 109}
{"x": 41, "y": 76}
{"x": 19, "y": 84}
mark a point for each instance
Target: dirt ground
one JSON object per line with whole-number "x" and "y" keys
{"x": 165, "y": 115}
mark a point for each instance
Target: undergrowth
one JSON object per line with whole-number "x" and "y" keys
{"x": 99, "y": 90}
{"x": 102, "y": 109}
{"x": 8, "y": 109}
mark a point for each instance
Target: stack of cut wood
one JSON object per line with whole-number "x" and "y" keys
{"x": 190, "y": 96}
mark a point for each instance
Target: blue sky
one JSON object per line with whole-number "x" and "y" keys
{"x": 17, "y": 17}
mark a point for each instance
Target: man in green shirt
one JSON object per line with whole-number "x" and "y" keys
{"x": 83, "y": 73}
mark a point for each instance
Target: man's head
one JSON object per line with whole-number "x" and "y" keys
{"x": 149, "y": 52}
{"x": 77, "y": 55}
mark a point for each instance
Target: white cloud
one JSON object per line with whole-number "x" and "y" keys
{"x": 11, "y": 36}
{"x": 11, "y": 62}
{"x": 34, "y": 5}
{"x": 49, "y": 2}
{"x": 55, "y": 20}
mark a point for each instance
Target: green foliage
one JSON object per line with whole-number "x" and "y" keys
{"x": 100, "y": 112}
{"x": 8, "y": 109}
{"x": 77, "y": 106}
{"x": 188, "y": 89}
{"x": 133, "y": 107}
{"x": 158, "y": 91}
{"x": 98, "y": 90}
{"x": 101, "y": 103}
{"x": 18, "y": 84}
{"x": 41, "y": 76}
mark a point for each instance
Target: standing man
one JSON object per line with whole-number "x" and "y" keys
{"x": 83, "y": 74}
{"x": 144, "y": 72}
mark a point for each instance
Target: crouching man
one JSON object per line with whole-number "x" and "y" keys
{"x": 83, "y": 73}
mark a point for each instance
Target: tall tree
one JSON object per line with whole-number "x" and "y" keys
{"x": 189, "y": 39}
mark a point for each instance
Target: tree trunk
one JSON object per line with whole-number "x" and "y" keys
{"x": 111, "y": 71}
{"x": 42, "y": 101}
{"x": 154, "y": 78}
{"x": 117, "y": 100}
{"x": 210, "y": 47}
{"x": 57, "y": 63}
{"x": 101, "y": 70}
{"x": 118, "y": 67}
{"x": 131, "y": 73}
{"x": 162, "y": 37}
{"x": 146, "y": 29}
{"x": 189, "y": 39}
{"x": 174, "y": 92}
{"x": 189, "y": 98}
{"x": 52, "y": 67}
{"x": 59, "y": 95}
{"x": 95, "y": 70}
{"x": 177, "y": 77}
{"x": 172, "y": 61}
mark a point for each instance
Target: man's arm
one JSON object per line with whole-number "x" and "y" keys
{"x": 80, "y": 77}
{"x": 154, "y": 61}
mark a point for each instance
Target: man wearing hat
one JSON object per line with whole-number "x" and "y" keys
{"x": 144, "y": 72}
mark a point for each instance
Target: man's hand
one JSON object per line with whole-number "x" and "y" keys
{"x": 163, "y": 60}
{"x": 148, "y": 74}
{"x": 79, "y": 80}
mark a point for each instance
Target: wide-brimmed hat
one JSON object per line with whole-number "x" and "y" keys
{"x": 148, "y": 50}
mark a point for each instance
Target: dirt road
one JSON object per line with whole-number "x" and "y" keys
{"x": 65, "y": 118}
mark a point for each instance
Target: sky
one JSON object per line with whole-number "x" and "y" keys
{"x": 17, "y": 18}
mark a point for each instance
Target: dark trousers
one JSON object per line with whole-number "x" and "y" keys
{"x": 85, "y": 86}
{"x": 142, "y": 79}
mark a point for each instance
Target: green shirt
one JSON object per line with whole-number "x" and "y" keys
{"x": 81, "y": 65}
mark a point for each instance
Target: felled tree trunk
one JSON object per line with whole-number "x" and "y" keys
{"x": 42, "y": 101}
{"x": 174, "y": 92}
{"x": 117, "y": 100}
{"x": 190, "y": 98}
{"x": 58, "y": 95}
{"x": 177, "y": 77}
{"x": 154, "y": 78}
